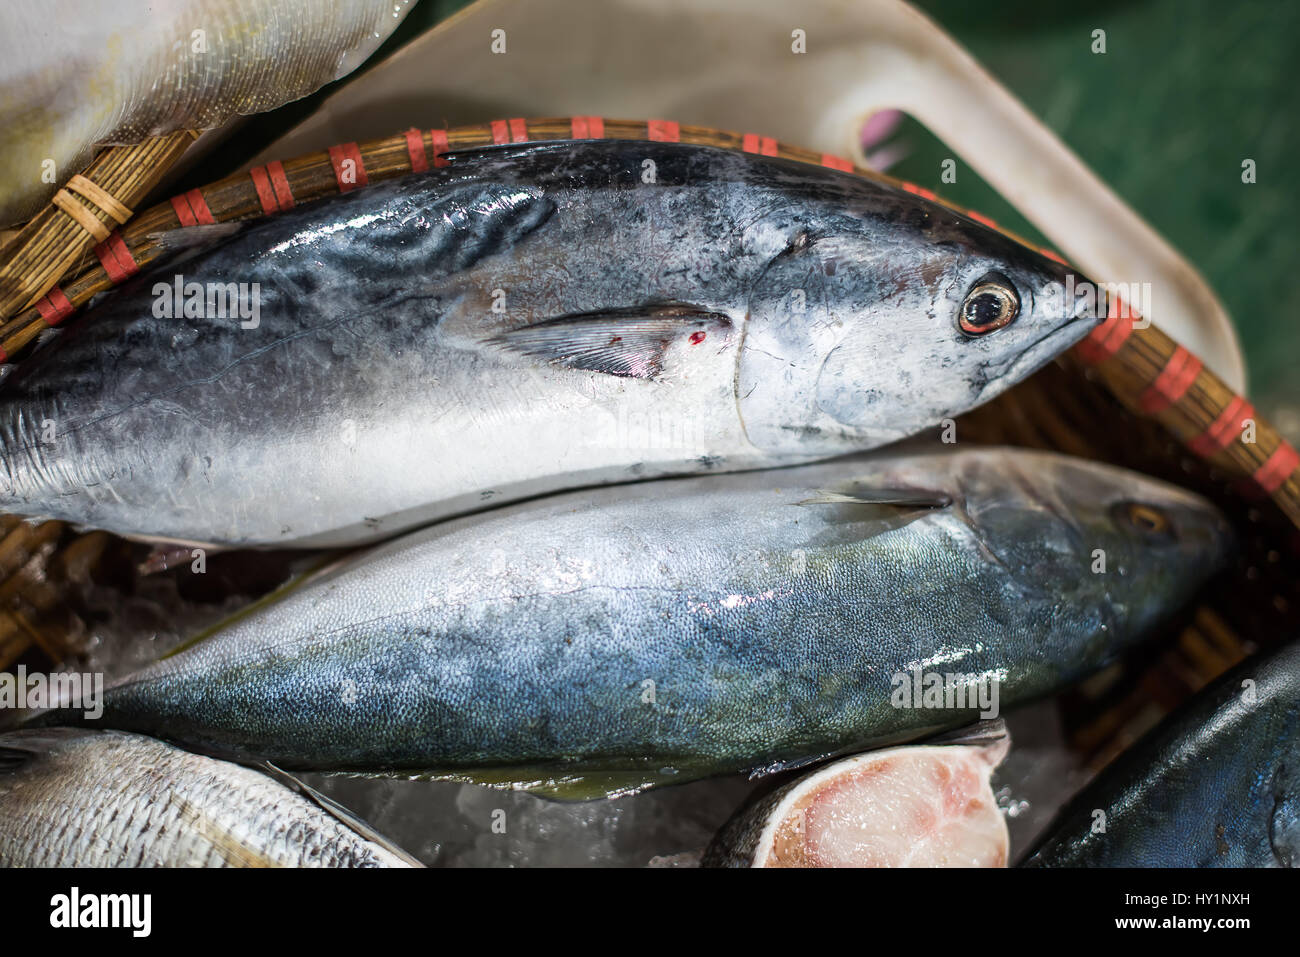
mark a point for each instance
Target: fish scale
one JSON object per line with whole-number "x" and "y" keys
{"x": 105, "y": 799}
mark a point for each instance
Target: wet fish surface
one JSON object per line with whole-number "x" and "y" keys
{"x": 599, "y": 641}
{"x": 79, "y": 74}
{"x": 1217, "y": 784}
{"x": 79, "y": 798}
{"x": 528, "y": 318}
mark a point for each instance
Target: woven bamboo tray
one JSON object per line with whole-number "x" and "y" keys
{"x": 1128, "y": 394}
{"x": 59, "y": 239}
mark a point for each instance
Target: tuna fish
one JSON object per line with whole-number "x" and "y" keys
{"x": 927, "y": 805}
{"x": 600, "y": 641}
{"x": 1216, "y": 785}
{"x": 527, "y": 319}
{"x": 71, "y": 798}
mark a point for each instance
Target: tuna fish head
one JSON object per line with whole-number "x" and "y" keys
{"x": 902, "y": 314}
{"x": 1105, "y": 542}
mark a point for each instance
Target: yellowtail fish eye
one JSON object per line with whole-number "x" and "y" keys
{"x": 1147, "y": 520}
{"x": 991, "y": 304}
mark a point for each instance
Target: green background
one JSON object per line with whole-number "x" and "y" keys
{"x": 1185, "y": 91}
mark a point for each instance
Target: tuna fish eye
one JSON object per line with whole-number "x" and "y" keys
{"x": 991, "y": 304}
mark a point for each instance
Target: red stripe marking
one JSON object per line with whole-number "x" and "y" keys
{"x": 981, "y": 218}
{"x": 54, "y": 307}
{"x": 199, "y": 206}
{"x": 518, "y": 130}
{"x": 500, "y": 132}
{"x": 183, "y": 211}
{"x": 338, "y": 156}
{"x": 440, "y": 146}
{"x": 921, "y": 191}
{"x": 1105, "y": 340}
{"x": 749, "y": 143}
{"x": 280, "y": 183}
{"x": 116, "y": 258}
{"x": 764, "y": 145}
{"x": 1053, "y": 254}
{"x": 4, "y": 356}
{"x": 1173, "y": 382}
{"x": 1224, "y": 429}
{"x": 415, "y": 149}
{"x": 837, "y": 162}
{"x": 265, "y": 194}
{"x": 1278, "y": 468}
{"x": 588, "y": 128}
{"x": 664, "y": 131}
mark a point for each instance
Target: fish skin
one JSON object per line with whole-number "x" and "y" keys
{"x": 514, "y": 647}
{"x": 83, "y": 798}
{"x": 1217, "y": 784}
{"x": 648, "y": 330}
{"x": 77, "y": 75}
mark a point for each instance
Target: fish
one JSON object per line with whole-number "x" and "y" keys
{"x": 78, "y": 75}
{"x": 604, "y": 641}
{"x": 91, "y": 798}
{"x": 924, "y": 805}
{"x": 527, "y": 319}
{"x": 1216, "y": 784}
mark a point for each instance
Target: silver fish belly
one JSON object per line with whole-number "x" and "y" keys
{"x": 668, "y": 630}
{"x": 73, "y": 798}
{"x": 530, "y": 318}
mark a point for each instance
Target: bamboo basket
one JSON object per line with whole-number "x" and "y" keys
{"x": 60, "y": 238}
{"x": 1128, "y": 394}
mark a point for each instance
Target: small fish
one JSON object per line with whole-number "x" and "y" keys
{"x": 601, "y": 641}
{"x": 927, "y": 805}
{"x": 527, "y": 319}
{"x": 72, "y": 798}
{"x": 1217, "y": 784}
{"x": 78, "y": 75}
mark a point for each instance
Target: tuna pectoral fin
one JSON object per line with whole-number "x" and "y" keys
{"x": 631, "y": 342}
{"x": 337, "y": 811}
